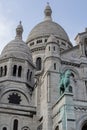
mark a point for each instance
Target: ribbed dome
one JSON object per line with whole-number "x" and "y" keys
{"x": 17, "y": 47}
{"x": 47, "y": 28}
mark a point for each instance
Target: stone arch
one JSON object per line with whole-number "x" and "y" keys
{"x": 19, "y": 71}
{"x": 22, "y": 92}
{"x": 14, "y": 70}
{"x": 57, "y": 127}
{"x": 73, "y": 70}
{"x": 81, "y": 122}
{"x": 4, "y": 127}
{"x": 5, "y": 68}
{"x": 15, "y": 124}
{"x": 38, "y": 63}
{"x": 18, "y": 121}
{"x": 84, "y": 126}
{"x": 25, "y": 128}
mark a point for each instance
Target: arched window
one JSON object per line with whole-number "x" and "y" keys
{"x": 25, "y": 128}
{"x": 5, "y": 70}
{"x": 14, "y": 70}
{"x": 57, "y": 128}
{"x": 86, "y": 86}
{"x": 19, "y": 71}
{"x": 1, "y": 71}
{"x": 4, "y": 128}
{"x": 15, "y": 124}
{"x": 38, "y": 63}
{"x": 72, "y": 75}
{"x": 54, "y": 48}
{"x": 49, "y": 48}
{"x": 30, "y": 75}
{"x": 28, "y": 72}
{"x": 84, "y": 126}
{"x": 54, "y": 66}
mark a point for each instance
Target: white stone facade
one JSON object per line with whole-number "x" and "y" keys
{"x": 30, "y": 79}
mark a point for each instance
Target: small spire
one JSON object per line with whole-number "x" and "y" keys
{"x": 48, "y": 12}
{"x": 48, "y": 3}
{"x": 52, "y": 39}
{"x": 19, "y": 31}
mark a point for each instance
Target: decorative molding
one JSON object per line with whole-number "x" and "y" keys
{"x": 38, "y": 49}
{"x": 71, "y": 120}
{"x": 79, "y": 108}
{"x": 69, "y": 63}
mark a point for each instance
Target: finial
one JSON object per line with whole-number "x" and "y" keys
{"x": 19, "y": 31}
{"x": 20, "y": 22}
{"x": 47, "y": 3}
{"x": 48, "y": 12}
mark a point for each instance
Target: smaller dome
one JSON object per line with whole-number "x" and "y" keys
{"x": 17, "y": 48}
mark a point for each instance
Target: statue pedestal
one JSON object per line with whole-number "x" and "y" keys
{"x": 63, "y": 112}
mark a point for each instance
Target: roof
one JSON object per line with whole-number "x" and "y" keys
{"x": 47, "y": 28}
{"x": 17, "y": 48}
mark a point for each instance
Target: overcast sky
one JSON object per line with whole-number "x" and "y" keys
{"x": 70, "y": 14}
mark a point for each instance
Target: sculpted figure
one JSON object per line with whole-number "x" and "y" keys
{"x": 64, "y": 81}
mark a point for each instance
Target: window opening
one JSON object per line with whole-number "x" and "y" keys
{"x": 1, "y": 71}
{"x": 19, "y": 71}
{"x": 5, "y": 68}
{"x": 72, "y": 75}
{"x": 63, "y": 44}
{"x": 30, "y": 75}
{"x": 45, "y": 40}
{"x": 31, "y": 44}
{"x": 54, "y": 66}
{"x": 54, "y": 48}
{"x": 39, "y": 41}
{"x": 15, "y": 125}
{"x": 4, "y": 128}
{"x": 14, "y": 98}
{"x": 14, "y": 70}
{"x": 57, "y": 128}
{"x": 49, "y": 48}
{"x": 84, "y": 126}
{"x": 86, "y": 86}
{"x": 38, "y": 63}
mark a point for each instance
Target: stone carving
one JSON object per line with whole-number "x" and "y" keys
{"x": 64, "y": 81}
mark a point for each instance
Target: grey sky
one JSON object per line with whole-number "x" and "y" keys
{"x": 70, "y": 14}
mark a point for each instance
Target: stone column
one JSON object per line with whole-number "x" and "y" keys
{"x": 9, "y": 68}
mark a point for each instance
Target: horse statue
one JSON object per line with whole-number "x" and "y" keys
{"x": 64, "y": 81}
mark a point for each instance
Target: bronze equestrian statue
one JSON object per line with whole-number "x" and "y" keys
{"x": 64, "y": 81}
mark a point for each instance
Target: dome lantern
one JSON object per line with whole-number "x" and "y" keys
{"x": 19, "y": 31}
{"x": 48, "y": 12}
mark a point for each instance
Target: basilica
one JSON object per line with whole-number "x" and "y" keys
{"x": 43, "y": 81}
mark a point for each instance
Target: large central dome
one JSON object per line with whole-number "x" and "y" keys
{"x": 47, "y": 28}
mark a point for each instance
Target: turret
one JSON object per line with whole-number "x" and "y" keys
{"x": 52, "y": 54}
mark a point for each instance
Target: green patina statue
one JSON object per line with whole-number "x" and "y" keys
{"x": 64, "y": 81}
